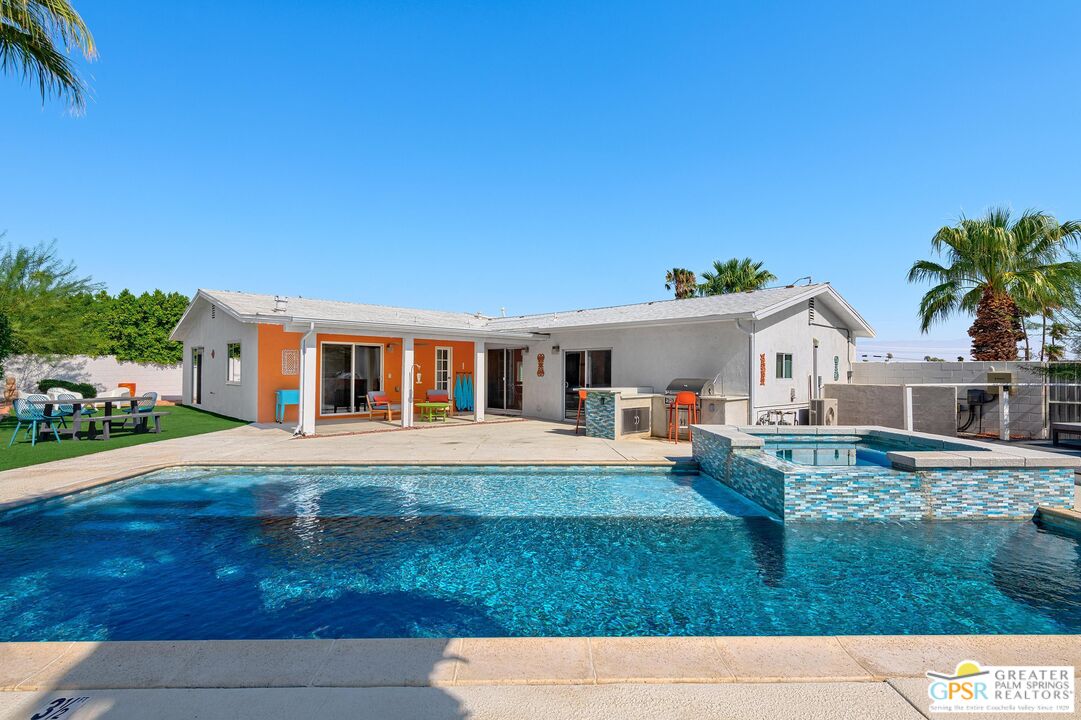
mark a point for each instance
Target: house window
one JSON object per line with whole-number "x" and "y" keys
{"x": 784, "y": 366}
{"x": 232, "y": 355}
{"x": 442, "y": 368}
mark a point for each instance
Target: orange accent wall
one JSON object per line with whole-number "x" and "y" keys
{"x": 273, "y": 339}
{"x": 461, "y": 360}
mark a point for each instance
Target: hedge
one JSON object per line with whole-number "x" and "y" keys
{"x": 85, "y": 389}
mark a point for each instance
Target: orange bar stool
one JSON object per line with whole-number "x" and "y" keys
{"x": 689, "y": 402}
{"x": 580, "y": 417}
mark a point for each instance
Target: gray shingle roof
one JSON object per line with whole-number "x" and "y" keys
{"x": 254, "y": 307}
{"x": 719, "y": 306}
{"x": 251, "y": 305}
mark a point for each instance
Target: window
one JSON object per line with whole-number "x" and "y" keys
{"x": 442, "y": 368}
{"x": 232, "y": 355}
{"x": 784, "y": 366}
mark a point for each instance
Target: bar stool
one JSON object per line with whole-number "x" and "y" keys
{"x": 581, "y": 410}
{"x": 689, "y": 401}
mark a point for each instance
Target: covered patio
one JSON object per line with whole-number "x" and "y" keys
{"x": 356, "y": 378}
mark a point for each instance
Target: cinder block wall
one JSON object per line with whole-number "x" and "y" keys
{"x": 934, "y": 409}
{"x": 1027, "y": 404}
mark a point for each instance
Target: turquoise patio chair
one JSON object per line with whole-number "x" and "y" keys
{"x": 145, "y": 403}
{"x": 31, "y": 412}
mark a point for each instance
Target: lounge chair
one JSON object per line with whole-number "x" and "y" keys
{"x": 379, "y": 402}
{"x": 31, "y": 412}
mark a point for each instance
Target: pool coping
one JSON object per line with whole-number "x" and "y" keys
{"x": 129, "y": 473}
{"x": 42, "y": 666}
{"x": 943, "y": 451}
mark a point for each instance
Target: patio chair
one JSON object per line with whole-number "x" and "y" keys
{"x": 31, "y": 411}
{"x": 378, "y": 401}
{"x": 65, "y": 409}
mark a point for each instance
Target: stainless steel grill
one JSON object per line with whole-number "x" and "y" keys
{"x": 699, "y": 386}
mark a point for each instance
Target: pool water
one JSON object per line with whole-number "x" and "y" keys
{"x": 220, "y": 553}
{"x": 837, "y": 450}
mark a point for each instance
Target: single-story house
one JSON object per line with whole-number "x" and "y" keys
{"x": 766, "y": 350}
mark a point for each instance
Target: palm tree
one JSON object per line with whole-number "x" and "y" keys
{"x": 682, "y": 281}
{"x": 36, "y": 37}
{"x": 735, "y": 275}
{"x": 1055, "y": 351}
{"x": 1001, "y": 270}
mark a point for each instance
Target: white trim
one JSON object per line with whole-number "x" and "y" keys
{"x": 228, "y": 364}
{"x": 450, "y": 368}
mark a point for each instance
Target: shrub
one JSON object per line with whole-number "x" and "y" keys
{"x": 84, "y": 389}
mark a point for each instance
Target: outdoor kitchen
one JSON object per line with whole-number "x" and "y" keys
{"x": 630, "y": 412}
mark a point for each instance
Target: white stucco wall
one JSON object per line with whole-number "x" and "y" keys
{"x": 792, "y": 332}
{"x": 102, "y": 372}
{"x": 213, "y": 334}
{"x": 654, "y": 356}
{"x": 648, "y": 356}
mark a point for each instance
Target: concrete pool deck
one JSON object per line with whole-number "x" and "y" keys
{"x": 744, "y": 677}
{"x": 782, "y": 677}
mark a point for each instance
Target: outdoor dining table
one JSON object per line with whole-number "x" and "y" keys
{"x": 77, "y": 417}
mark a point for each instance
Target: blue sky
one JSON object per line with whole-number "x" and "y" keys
{"x": 543, "y": 155}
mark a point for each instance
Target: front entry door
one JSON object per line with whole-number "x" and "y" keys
{"x": 505, "y": 379}
{"x": 196, "y": 376}
{"x": 584, "y": 368}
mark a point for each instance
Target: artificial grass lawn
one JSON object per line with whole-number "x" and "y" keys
{"x": 180, "y": 422}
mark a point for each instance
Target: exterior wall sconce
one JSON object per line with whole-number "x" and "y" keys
{"x": 555, "y": 348}
{"x": 390, "y": 347}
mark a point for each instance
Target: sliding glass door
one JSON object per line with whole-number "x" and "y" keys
{"x": 584, "y": 368}
{"x": 350, "y": 371}
{"x": 504, "y": 382}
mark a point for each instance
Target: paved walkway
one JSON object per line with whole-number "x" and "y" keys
{"x": 722, "y": 677}
{"x": 523, "y": 441}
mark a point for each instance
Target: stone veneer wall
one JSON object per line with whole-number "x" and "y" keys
{"x": 601, "y": 415}
{"x": 878, "y": 493}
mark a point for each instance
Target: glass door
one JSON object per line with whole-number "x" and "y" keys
{"x": 505, "y": 374}
{"x": 584, "y": 368}
{"x": 497, "y": 379}
{"x": 349, "y": 373}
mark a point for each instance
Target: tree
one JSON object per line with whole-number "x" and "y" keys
{"x": 135, "y": 328}
{"x": 682, "y": 281}
{"x": 36, "y": 38}
{"x": 46, "y": 302}
{"x": 1001, "y": 270}
{"x": 7, "y": 343}
{"x": 1055, "y": 351}
{"x": 735, "y": 275}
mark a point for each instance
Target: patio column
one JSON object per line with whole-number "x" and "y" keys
{"x": 408, "y": 360}
{"x": 480, "y": 377}
{"x": 308, "y": 384}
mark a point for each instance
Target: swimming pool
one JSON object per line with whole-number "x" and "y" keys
{"x": 228, "y": 553}
{"x": 845, "y": 450}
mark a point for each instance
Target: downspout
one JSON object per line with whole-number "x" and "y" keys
{"x": 298, "y": 430}
{"x": 750, "y": 368}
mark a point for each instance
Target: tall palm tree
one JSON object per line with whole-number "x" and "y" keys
{"x": 1002, "y": 270}
{"x": 36, "y": 39}
{"x": 734, "y": 275}
{"x": 1056, "y": 350}
{"x": 682, "y": 281}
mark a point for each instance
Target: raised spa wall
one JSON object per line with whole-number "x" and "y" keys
{"x": 956, "y": 480}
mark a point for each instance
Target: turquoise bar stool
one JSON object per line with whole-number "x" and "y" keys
{"x": 283, "y": 398}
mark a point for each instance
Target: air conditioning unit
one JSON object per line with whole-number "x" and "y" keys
{"x": 823, "y": 411}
